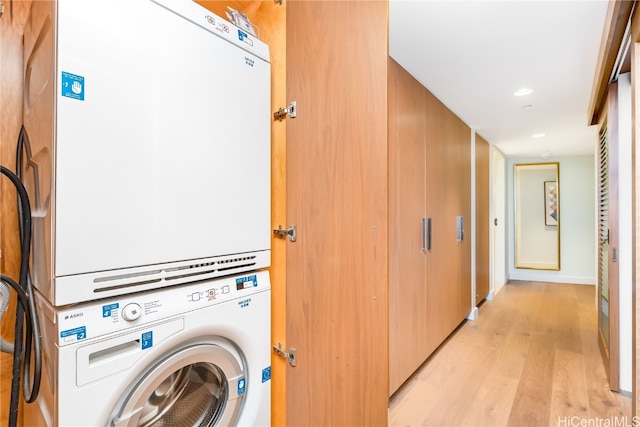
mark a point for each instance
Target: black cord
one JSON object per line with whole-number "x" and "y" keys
{"x": 26, "y": 310}
{"x": 21, "y": 146}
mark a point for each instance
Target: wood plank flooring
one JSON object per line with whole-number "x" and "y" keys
{"x": 530, "y": 359}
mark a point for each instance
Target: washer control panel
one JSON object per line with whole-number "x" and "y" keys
{"x": 90, "y": 320}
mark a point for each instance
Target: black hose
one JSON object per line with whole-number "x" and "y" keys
{"x": 33, "y": 327}
{"x": 25, "y": 310}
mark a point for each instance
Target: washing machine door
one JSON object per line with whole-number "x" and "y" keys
{"x": 202, "y": 385}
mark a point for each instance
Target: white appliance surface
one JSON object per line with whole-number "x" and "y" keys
{"x": 149, "y": 127}
{"x": 102, "y": 369}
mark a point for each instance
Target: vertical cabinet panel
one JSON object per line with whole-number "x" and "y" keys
{"x": 337, "y": 182}
{"x": 429, "y": 176}
{"x": 483, "y": 218}
{"x": 407, "y": 203}
{"x": 441, "y": 206}
{"x": 448, "y": 196}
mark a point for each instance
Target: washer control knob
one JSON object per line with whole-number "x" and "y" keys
{"x": 131, "y": 312}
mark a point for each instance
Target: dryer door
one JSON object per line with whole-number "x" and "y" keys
{"x": 201, "y": 385}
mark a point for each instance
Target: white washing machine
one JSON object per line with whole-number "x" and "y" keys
{"x": 192, "y": 355}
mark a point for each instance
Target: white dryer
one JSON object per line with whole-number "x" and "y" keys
{"x": 192, "y": 355}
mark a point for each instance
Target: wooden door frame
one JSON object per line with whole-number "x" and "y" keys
{"x": 500, "y": 217}
{"x": 635, "y": 170}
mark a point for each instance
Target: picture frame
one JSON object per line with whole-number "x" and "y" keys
{"x": 551, "y": 206}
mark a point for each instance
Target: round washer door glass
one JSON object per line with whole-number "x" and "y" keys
{"x": 201, "y": 385}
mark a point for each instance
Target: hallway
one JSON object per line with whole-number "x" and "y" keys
{"x": 530, "y": 359}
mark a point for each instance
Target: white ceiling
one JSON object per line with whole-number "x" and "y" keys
{"x": 474, "y": 54}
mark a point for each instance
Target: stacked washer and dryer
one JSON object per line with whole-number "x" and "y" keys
{"x": 148, "y": 170}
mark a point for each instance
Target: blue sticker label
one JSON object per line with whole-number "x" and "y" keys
{"x": 107, "y": 309}
{"x": 80, "y": 333}
{"x": 247, "y": 282}
{"x": 242, "y": 386}
{"x": 266, "y": 374}
{"x": 147, "y": 340}
{"x": 72, "y": 86}
{"x": 244, "y": 37}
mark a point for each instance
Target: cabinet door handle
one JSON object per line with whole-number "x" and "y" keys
{"x": 426, "y": 234}
{"x": 460, "y": 228}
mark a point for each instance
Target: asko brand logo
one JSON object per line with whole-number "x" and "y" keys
{"x": 73, "y": 316}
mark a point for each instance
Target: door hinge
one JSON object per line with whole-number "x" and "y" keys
{"x": 290, "y": 232}
{"x": 290, "y": 354}
{"x": 291, "y": 111}
{"x": 1, "y": 8}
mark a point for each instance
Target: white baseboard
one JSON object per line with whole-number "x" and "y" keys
{"x": 536, "y": 276}
{"x": 474, "y": 314}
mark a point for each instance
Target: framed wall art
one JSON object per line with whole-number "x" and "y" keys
{"x": 551, "y": 212}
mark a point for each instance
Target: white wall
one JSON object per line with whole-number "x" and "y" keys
{"x": 577, "y": 222}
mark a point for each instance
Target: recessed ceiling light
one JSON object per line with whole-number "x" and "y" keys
{"x": 539, "y": 135}
{"x": 522, "y": 92}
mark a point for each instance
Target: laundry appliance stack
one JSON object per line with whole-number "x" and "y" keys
{"x": 148, "y": 169}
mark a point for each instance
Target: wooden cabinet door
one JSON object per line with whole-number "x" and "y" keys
{"x": 407, "y": 203}
{"x": 483, "y": 219}
{"x": 337, "y": 270}
{"x": 429, "y": 177}
{"x": 448, "y": 196}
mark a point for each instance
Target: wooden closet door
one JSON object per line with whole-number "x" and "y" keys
{"x": 448, "y": 196}
{"x": 483, "y": 219}
{"x": 407, "y": 203}
{"x": 337, "y": 270}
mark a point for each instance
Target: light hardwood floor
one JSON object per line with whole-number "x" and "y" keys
{"x": 531, "y": 358}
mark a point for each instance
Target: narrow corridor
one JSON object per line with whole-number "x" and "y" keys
{"x": 530, "y": 359}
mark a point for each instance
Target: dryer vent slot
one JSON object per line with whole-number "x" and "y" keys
{"x": 237, "y": 266}
{"x": 182, "y": 276}
{"x": 173, "y": 275}
{"x": 126, "y": 285}
{"x": 126, "y": 276}
{"x": 110, "y": 354}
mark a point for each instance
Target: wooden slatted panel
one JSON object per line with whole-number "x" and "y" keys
{"x": 604, "y": 186}
{"x": 603, "y": 225}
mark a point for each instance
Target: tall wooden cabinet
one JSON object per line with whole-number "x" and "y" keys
{"x": 407, "y": 206}
{"x": 429, "y": 177}
{"x": 483, "y": 218}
